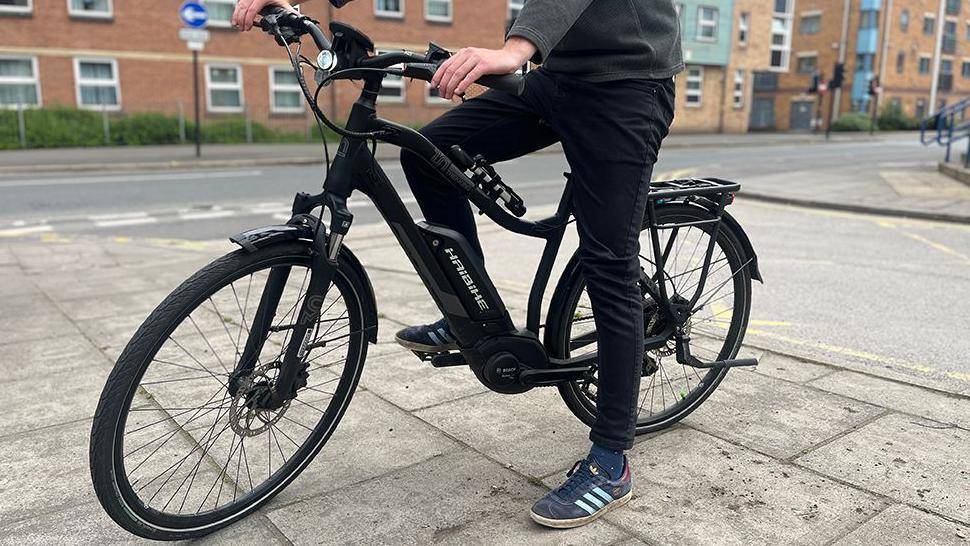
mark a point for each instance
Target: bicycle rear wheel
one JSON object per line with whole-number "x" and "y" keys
{"x": 669, "y": 391}
{"x": 173, "y": 454}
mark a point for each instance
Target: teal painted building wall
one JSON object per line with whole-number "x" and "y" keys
{"x": 695, "y": 19}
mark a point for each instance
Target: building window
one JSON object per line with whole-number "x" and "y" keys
{"x": 900, "y": 62}
{"x": 966, "y": 35}
{"x": 393, "y": 88}
{"x": 949, "y": 37}
{"x": 88, "y": 8}
{"x": 433, "y": 98}
{"x": 929, "y": 25}
{"x": 97, "y": 84}
{"x": 739, "y": 88}
{"x": 438, "y": 11}
{"x": 810, "y": 24}
{"x": 19, "y": 84}
{"x": 220, "y": 12}
{"x": 920, "y": 108}
{"x": 807, "y": 64}
{"x": 953, "y": 7}
{"x": 781, "y": 30}
{"x": 16, "y": 6}
{"x": 904, "y": 20}
{"x": 695, "y": 86}
{"x": 285, "y": 94}
{"x": 868, "y": 19}
{"x": 965, "y": 69}
{"x": 223, "y": 85}
{"x": 924, "y": 64}
{"x": 744, "y": 27}
{"x": 515, "y": 6}
{"x": 389, "y": 8}
{"x": 707, "y": 24}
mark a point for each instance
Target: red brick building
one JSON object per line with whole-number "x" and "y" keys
{"x": 126, "y": 56}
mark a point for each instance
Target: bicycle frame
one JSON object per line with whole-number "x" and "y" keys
{"x": 355, "y": 169}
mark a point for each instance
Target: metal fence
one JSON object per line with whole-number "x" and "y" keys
{"x": 48, "y": 127}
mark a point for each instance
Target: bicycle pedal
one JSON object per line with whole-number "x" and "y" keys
{"x": 447, "y": 360}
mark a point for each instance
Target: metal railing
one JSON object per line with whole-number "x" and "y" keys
{"x": 946, "y": 127}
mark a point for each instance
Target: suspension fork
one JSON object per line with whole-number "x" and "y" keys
{"x": 268, "y": 304}
{"x": 323, "y": 267}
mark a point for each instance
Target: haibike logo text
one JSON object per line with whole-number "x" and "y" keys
{"x": 463, "y": 273}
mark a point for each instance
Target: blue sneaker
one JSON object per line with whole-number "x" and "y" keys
{"x": 584, "y": 497}
{"x": 431, "y": 338}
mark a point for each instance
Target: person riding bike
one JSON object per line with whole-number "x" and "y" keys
{"x": 605, "y": 91}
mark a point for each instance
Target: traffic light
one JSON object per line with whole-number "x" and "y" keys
{"x": 839, "y": 77}
{"x": 815, "y": 81}
{"x": 874, "y": 87}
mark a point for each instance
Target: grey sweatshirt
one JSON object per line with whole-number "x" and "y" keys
{"x": 603, "y": 40}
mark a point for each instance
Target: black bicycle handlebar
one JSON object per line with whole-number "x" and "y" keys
{"x": 415, "y": 65}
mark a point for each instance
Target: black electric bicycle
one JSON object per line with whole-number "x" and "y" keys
{"x": 237, "y": 380}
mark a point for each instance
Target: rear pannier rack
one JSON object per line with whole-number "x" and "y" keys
{"x": 670, "y": 189}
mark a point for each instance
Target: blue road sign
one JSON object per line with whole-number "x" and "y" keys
{"x": 194, "y": 14}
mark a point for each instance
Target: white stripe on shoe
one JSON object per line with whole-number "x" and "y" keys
{"x": 603, "y": 494}
{"x": 435, "y": 339}
{"x": 584, "y": 506}
{"x": 591, "y": 498}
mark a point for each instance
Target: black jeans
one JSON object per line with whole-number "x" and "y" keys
{"x": 611, "y": 134}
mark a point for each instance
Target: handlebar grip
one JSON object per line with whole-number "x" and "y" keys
{"x": 273, "y": 10}
{"x": 510, "y": 83}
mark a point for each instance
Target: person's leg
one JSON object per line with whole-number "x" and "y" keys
{"x": 497, "y": 125}
{"x": 612, "y": 147}
{"x": 611, "y": 138}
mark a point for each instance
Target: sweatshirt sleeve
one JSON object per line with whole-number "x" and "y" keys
{"x": 545, "y": 22}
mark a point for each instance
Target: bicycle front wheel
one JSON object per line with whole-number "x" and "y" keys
{"x": 669, "y": 391}
{"x": 174, "y": 454}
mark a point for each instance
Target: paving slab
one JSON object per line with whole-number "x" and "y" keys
{"x": 88, "y": 524}
{"x": 790, "y": 369}
{"x": 101, "y": 282}
{"x": 52, "y": 398}
{"x": 379, "y": 437}
{"x": 776, "y": 417}
{"x": 461, "y": 498}
{"x": 37, "y": 359}
{"x": 412, "y": 384}
{"x": 534, "y": 431}
{"x": 908, "y": 527}
{"x": 113, "y": 305}
{"x": 919, "y": 462}
{"x": 111, "y": 334}
{"x": 693, "y": 488}
{"x": 31, "y": 318}
{"x": 898, "y": 396}
{"x": 44, "y": 471}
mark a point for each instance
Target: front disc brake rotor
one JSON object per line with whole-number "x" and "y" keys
{"x": 246, "y": 416}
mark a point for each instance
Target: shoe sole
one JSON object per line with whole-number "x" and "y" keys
{"x": 421, "y": 347}
{"x": 579, "y": 522}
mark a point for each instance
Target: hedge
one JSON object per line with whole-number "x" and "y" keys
{"x": 857, "y": 121}
{"x": 56, "y": 127}
{"x": 892, "y": 118}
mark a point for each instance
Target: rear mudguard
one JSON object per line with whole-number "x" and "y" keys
{"x": 302, "y": 228}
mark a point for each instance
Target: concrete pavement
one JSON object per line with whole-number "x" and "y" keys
{"x": 797, "y": 451}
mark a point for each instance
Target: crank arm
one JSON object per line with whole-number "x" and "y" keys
{"x": 736, "y": 363}
{"x": 555, "y": 376}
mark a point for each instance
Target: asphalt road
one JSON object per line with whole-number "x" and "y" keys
{"x": 839, "y": 287}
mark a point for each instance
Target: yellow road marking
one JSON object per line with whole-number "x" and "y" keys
{"x": 874, "y": 218}
{"x": 863, "y": 355}
{"x": 937, "y": 246}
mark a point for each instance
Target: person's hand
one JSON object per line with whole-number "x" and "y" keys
{"x": 247, "y": 10}
{"x": 463, "y": 68}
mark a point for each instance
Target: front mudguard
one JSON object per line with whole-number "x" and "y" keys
{"x": 304, "y": 228}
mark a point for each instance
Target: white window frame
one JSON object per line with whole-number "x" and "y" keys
{"x": 787, "y": 25}
{"x": 396, "y": 83}
{"x": 289, "y": 88}
{"x": 432, "y": 100}
{"x": 707, "y": 23}
{"x": 699, "y": 92}
{"x": 744, "y": 28}
{"x": 91, "y": 14}
{"x": 438, "y": 18}
{"x": 29, "y": 8}
{"x": 390, "y": 14}
{"x": 78, "y": 82}
{"x": 215, "y": 22}
{"x": 20, "y": 80}
{"x": 739, "y": 89}
{"x": 515, "y": 5}
{"x": 210, "y": 86}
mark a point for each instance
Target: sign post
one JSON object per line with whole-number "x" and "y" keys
{"x": 195, "y": 17}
